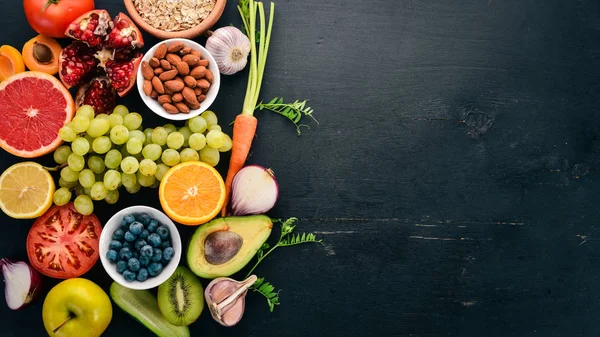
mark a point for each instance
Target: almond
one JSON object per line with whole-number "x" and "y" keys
{"x": 165, "y": 64}
{"x": 197, "y": 53}
{"x": 147, "y": 86}
{"x": 177, "y": 97}
{"x": 182, "y": 107}
{"x": 188, "y": 95}
{"x": 204, "y": 84}
{"x": 158, "y": 86}
{"x": 201, "y": 98}
{"x": 147, "y": 71}
{"x": 198, "y": 72}
{"x": 185, "y": 51}
{"x": 161, "y": 51}
{"x": 205, "y": 90}
{"x": 175, "y": 47}
{"x": 169, "y": 91}
{"x": 173, "y": 58}
{"x": 154, "y": 62}
{"x": 194, "y": 106}
{"x": 168, "y": 75}
{"x": 198, "y": 91}
{"x": 209, "y": 75}
{"x": 191, "y": 59}
{"x": 154, "y": 94}
{"x": 170, "y": 108}
{"x": 203, "y": 63}
{"x": 174, "y": 85}
{"x": 158, "y": 71}
{"x": 164, "y": 99}
{"x": 189, "y": 81}
{"x": 183, "y": 68}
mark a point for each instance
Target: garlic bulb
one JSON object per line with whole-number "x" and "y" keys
{"x": 230, "y": 48}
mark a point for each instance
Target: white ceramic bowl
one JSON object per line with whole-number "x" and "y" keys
{"x": 153, "y": 104}
{"x": 115, "y": 222}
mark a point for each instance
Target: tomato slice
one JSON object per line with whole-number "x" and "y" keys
{"x": 63, "y": 243}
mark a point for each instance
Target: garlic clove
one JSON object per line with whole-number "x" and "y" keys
{"x": 226, "y": 299}
{"x": 230, "y": 48}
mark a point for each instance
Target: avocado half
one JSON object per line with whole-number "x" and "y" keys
{"x": 223, "y": 246}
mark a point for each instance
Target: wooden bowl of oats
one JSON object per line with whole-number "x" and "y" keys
{"x": 169, "y": 19}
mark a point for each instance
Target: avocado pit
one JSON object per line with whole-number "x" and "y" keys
{"x": 222, "y": 246}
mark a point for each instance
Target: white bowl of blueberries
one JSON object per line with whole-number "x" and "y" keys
{"x": 140, "y": 247}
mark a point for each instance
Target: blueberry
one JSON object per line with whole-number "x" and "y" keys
{"x": 136, "y": 228}
{"x": 111, "y": 255}
{"x": 168, "y": 253}
{"x": 144, "y": 218}
{"x": 155, "y": 269}
{"x": 146, "y": 251}
{"x": 121, "y": 267}
{"x": 154, "y": 240}
{"x": 142, "y": 275}
{"x": 116, "y": 245}
{"x": 129, "y": 275}
{"x": 125, "y": 254}
{"x": 133, "y": 264}
{"x": 163, "y": 232}
{"x": 139, "y": 244}
{"x": 127, "y": 244}
{"x": 157, "y": 256}
{"x": 165, "y": 244}
{"x": 135, "y": 254}
{"x": 152, "y": 226}
{"x": 129, "y": 218}
{"x": 118, "y": 234}
{"x": 144, "y": 261}
{"x": 144, "y": 234}
{"x": 129, "y": 237}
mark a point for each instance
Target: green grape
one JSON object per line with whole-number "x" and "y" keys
{"x": 87, "y": 178}
{"x": 62, "y": 154}
{"x": 147, "y": 167}
{"x": 170, "y": 128}
{"x": 67, "y": 184}
{"x": 210, "y": 156}
{"x": 129, "y": 165}
{"x": 98, "y": 127}
{"x": 112, "y": 179}
{"x": 112, "y": 159}
{"x": 96, "y": 164}
{"x": 175, "y": 140}
{"x": 155, "y": 184}
{"x": 198, "y": 124}
{"x": 134, "y": 189}
{"x": 124, "y": 151}
{"x": 152, "y": 151}
{"x": 148, "y": 134}
{"x": 161, "y": 170}
{"x": 159, "y": 136}
{"x": 134, "y": 145}
{"x": 121, "y": 110}
{"x": 68, "y": 174}
{"x": 61, "y": 196}
{"x": 80, "y": 146}
{"x": 137, "y": 134}
{"x": 79, "y": 189}
{"x": 67, "y": 134}
{"x": 128, "y": 180}
{"x": 112, "y": 197}
{"x": 227, "y": 143}
{"x": 188, "y": 154}
{"x": 119, "y": 134}
{"x": 145, "y": 181}
{"x": 80, "y": 123}
{"x": 76, "y": 162}
{"x": 170, "y": 157}
{"x": 115, "y": 119}
{"x": 102, "y": 116}
{"x": 86, "y": 111}
{"x": 132, "y": 120}
{"x": 101, "y": 145}
{"x": 98, "y": 191}
{"x": 215, "y": 139}
{"x": 186, "y": 132}
{"x": 210, "y": 118}
{"x": 215, "y": 127}
{"x": 197, "y": 141}
{"x": 84, "y": 205}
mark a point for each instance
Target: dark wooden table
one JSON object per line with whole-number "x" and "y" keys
{"x": 453, "y": 176}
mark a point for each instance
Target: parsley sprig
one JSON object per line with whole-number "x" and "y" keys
{"x": 292, "y": 111}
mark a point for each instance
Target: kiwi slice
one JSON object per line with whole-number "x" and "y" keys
{"x": 142, "y": 305}
{"x": 181, "y": 297}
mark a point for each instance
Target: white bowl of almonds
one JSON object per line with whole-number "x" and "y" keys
{"x": 178, "y": 79}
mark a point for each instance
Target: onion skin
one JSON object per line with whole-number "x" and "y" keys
{"x": 254, "y": 191}
{"x": 15, "y": 278}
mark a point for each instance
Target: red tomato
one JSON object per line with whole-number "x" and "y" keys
{"x": 56, "y": 17}
{"x": 63, "y": 243}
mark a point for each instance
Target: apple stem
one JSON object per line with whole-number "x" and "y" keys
{"x": 63, "y": 323}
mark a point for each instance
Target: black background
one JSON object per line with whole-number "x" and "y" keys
{"x": 453, "y": 176}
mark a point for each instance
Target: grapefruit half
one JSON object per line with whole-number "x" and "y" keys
{"x": 33, "y": 107}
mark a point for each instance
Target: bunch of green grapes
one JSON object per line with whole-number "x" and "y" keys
{"x": 110, "y": 151}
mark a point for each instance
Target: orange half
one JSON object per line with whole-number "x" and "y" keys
{"x": 192, "y": 193}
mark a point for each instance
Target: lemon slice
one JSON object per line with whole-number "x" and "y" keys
{"x": 26, "y": 190}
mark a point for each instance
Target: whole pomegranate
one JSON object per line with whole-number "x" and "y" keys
{"x": 103, "y": 59}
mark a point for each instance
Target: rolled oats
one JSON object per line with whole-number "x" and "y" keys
{"x": 174, "y": 15}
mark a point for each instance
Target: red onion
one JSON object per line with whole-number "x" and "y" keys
{"x": 254, "y": 191}
{"x": 21, "y": 283}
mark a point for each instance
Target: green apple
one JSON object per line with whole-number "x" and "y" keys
{"x": 76, "y": 308}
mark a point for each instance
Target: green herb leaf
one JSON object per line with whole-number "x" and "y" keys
{"x": 268, "y": 291}
{"x": 292, "y": 111}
